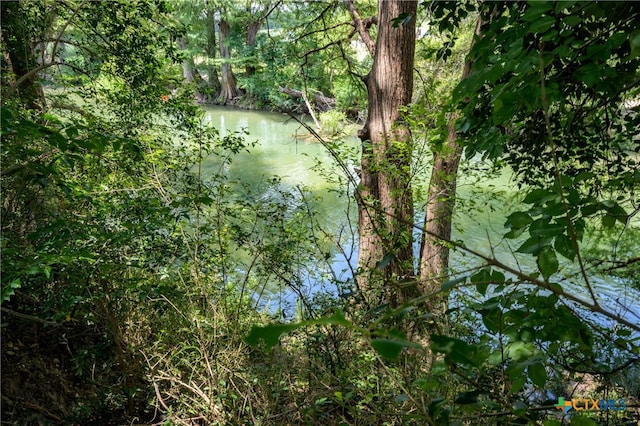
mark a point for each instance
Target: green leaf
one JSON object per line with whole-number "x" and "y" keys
{"x": 536, "y": 9}
{"x": 336, "y": 319}
{"x": 542, "y": 24}
{"x": 572, "y": 20}
{"x": 534, "y": 244}
{"x": 402, "y": 19}
{"x": 539, "y": 196}
{"x": 497, "y": 277}
{"x": 448, "y": 285}
{"x": 6, "y": 116}
{"x": 390, "y": 348}
{"x": 564, "y": 245}
{"x": 456, "y": 350}
{"x": 515, "y": 370}
{"x": 270, "y": 334}
{"x": 9, "y": 290}
{"x": 537, "y": 374}
{"x": 634, "y": 42}
{"x": 615, "y": 211}
{"x": 578, "y": 420}
{"x": 518, "y": 220}
{"x": 465, "y": 398}
{"x": 543, "y": 227}
{"x": 547, "y": 262}
{"x": 385, "y": 261}
{"x": 515, "y": 233}
{"x": 608, "y": 221}
{"x": 482, "y": 279}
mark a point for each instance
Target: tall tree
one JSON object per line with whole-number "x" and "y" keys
{"x": 199, "y": 47}
{"x": 434, "y": 252}
{"x": 386, "y": 202}
{"x": 257, "y": 14}
{"x": 229, "y": 90}
{"x": 212, "y": 47}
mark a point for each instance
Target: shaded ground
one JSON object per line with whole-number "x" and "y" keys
{"x": 60, "y": 373}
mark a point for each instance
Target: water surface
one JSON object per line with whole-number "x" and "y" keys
{"x": 284, "y": 150}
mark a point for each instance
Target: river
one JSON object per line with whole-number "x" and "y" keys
{"x": 283, "y": 150}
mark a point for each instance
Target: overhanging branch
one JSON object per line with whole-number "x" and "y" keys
{"x": 362, "y": 26}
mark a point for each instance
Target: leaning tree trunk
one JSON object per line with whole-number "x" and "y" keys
{"x": 434, "y": 256}
{"x": 386, "y": 205}
{"x": 229, "y": 90}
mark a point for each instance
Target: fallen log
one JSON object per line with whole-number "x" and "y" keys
{"x": 321, "y": 102}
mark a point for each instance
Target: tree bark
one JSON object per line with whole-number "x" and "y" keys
{"x": 191, "y": 74}
{"x": 212, "y": 71}
{"x": 187, "y": 63}
{"x": 18, "y": 54}
{"x": 434, "y": 256}
{"x": 386, "y": 205}
{"x": 252, "y": 28}
{"x": 229, "y": 90}
{"x": 250, "y": 42}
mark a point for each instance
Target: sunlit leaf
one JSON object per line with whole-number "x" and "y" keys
{"x": 337, "y": 318}
{"x": 270, "y": 334}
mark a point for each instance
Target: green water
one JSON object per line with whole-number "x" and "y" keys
{"x": 283, "y": 149}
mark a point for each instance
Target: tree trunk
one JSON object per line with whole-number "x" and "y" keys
{"x": 386, "y": 207}
{"x": 212, "y": 71}
{"x": 18, "y": 54}
{"x": 187, "y": 63}
{"x": 253, "y": 26}
{"x": 229, "y": 90}
{"x": 191, "y": 74}
{"x": 434, "y": 256}
{"x": 250, "y": 42}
